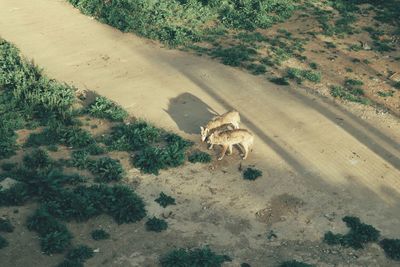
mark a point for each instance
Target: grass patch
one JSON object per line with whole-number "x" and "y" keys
{"x": 391, "y": 248}
{"x": 200, "y": 156}
{"x": 397, "y": 85}
{"x": 8, "y": 166}
{"x": 99, "y": 234}
{"x": 165, "y": 200}
{"x": 102, "y": 107}
{"x": 251, "y": 174}
{"x": 16, "y": 195}
{"x": 235, "y": 55}
{"x": 197, "y": 257}
{"x": 353, "y": 82}
{"x": 357, "y": 237}
{"x": 6, "y": 226}
{"x": 349, "y": 94}
{"x": 156, "y": 225}
{"x": 280, "y": 81}
{"x": 385, "y": 94}
{"x": 300, "y": 75}
{"x": 3, "y": 242}
{"x": 106, "y": 169}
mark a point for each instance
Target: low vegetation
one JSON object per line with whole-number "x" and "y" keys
{"x": 165, "y": 200}
{"x": 6, "y": 226}
{"x": 294, "y": 263}
{"x": 391, "y": 248}
{"x": 199, "y": 156}
{"x": 104, "y": 108}
{"x": 77, "y": 256}
{"x": 100, "y": 234}
{"x": 156, "y": 225}
{"x": 251, "y": 174}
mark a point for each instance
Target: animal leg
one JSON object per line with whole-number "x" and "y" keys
{"x": 224, "y": 148}
{"x": 230, "y": 150}
{"x": 246, "y": 151}
{"x": 211, "y": 146}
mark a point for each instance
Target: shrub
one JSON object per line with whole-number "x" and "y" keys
{"x": 102, "y": 107}
{"x": 16, "y": 195}
{"x": 295, "y": 263}
{"x": 198, "y": 257}
{"x": 156, "y": 225}
{"x": 55, "y": 242}
{"x": 100, "y": 234}
{"x": 350, "y": 94}
{"x": 280, "y": 81}
{"x": 396, "y": 85}
{"x": 300, "y": 75}
{"x": 235, "y": 55}
{"x": 8, "y": 166}
{"x": 199, "y": 156}
{"x": 358, "y": 235}
{"x": 165, "y": 200}
{"x": 352, "y": 82}
{"x": 107, "y": 169}
{"x": 256, "y": 69}
{"x": 80, "y": 159}
{"x": 69, "y": 263}
{"x": 80, "y": 254}
{"x": 38, "y": 158}
{"x": 251, "y": 174}
{"x": 6, "y": 226}
{"x": 8, "y": 140}
{"x": 3, "y": 242}
{"x": 150, "y": 160}
{"x": 391, "y": 248}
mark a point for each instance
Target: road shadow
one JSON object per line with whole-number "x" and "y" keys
{"x": 189, "y": 112}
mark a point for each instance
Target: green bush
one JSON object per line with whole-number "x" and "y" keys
{"x": 100, "y": 234}
{"x": 6, "y": 226}
{"x": 391, "y": 248}
{"x": 165, "y": 200}
{"x": 280, "y": 80}
{"x": 102, "y": 107}
{"x": 349, "y": 94}
{"x": 352, "y": 82}
{"x": 80, "y": 254}
{"x": 235, "y": 55}
{"x": 199, "y": 156}
{"x": 3, "y": 242}
{"x": 156, "y": 225}
{"x": 396, "y": 85}
{"x": 38, "y": 158}
{"x": 8, "y": 166}
{"x": 107, "y": 169}
{"x": 16, "y": 195}
{"x": 55, "y": 242}
{"x": 295, "y": 263}
{"x": 251, "y": 174}
{"x": 198, "y": 257}
{"x": 300, "y": 75}
{"x": 80, "y": 159}
{"x": 358, "y": 235}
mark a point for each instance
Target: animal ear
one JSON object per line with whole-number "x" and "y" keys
{"x": 201, "y": 128}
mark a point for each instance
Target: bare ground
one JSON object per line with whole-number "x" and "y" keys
{"x": 321, "y": 161}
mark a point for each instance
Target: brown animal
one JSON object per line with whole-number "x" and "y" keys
{"x": 219, "y": 129}
{"x": 231, "y": 117}
{"x": 232, "y": 137}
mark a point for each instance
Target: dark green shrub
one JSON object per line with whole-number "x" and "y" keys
{"x": 280, "y": 81}
{"x": 8, "y": 140}
{"x": 391, "y": 248}
{"x": 55, "y": 242}
{"x": 350, "y": 94}
{"x": 8, "y": 166}
{"x": 358, "y": 235}
{"x": 300, "y": 75}
{"x": 80, "y": 159}
{"x": 150, "y": 160}
{"x": 95, "y": 149}
{"x": 177, "y": 141}
{"x": 16, "y": 195}
{"x": 3, "y": 242}
{"x": 156, "y": 225}
{"x": 132, "y": 137}
{"x": 69, "y": 263}
{"x": 102, "y": 107}
{"x": 6, "y": 226}
{"x": 165, "y": 200}
{"x": 80, "y": 254}
{"x": 235, "y": 55}
{"x": 38, "y": 158}
{"x": 396, "y": 85}
{"x": 295, "y": 263}
{"x": 107, "y": 169}
{"x": 199, "y": 156}
{"x": 198, "y": 257}
{"x": 352, "y": 82}
{"x": 251, "y": 174}
{"x": 100, "y": 234}
{"x": 256, "y": 69}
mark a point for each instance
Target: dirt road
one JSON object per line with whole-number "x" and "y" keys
{"x": 308, "y": 147}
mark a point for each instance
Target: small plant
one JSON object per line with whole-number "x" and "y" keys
{"x": 300, "y": 75}
{"x": 280, "y": 80}
{"x": 397, "y": 85}
{"x": 100, "y": 234}
{"x": 6, "y": 226}
{"x": 198, "y": 257}
{"x": 358, "y": 235}
{"x": 385, "y": 94}
{"x": 199, "y": 156}
{"x": 391, "y": 248}
{"x": 80, "y": 254}
{"x": 156, "y": 225}
{"x": 350, "y": 94}
{"x": 295, "y": 263}
{"x": 314, "y": 65}
{"x": 55, "y": 242}
{"x": 107, "y": 169}
{"x": 251, "y": 174}
{"x": 37, "y": 159}
{"x": 352, "y": 82}
{"x": 3, "y": 242}
{"x": 165, "y": 200}
{"x": 80, "y": 159}
{"x": 102, "y": 107}
{"x": 256, "y": 69}
{"x": 8, "y": 166}
{"x": 235, "y": 55}
{"x": 16, "y": 195}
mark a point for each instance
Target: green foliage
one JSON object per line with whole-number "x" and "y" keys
{"x": 132, "y": 137}
{"x": 99, "y": 234}
{"x": 385, "y": 94}
{"x": 295, "y": 263}
{"x": 199, "y": 156}
{"x": 6, "y": 226}
{"x": 156, "y": 225}
{"x": 251, "y": 174}
{"x": 391, "y": 248}
{"x": 197, "y": 257}
{"x": 234, "y": 55}
{"x": 38, "y": 158}
{"x": 16, "y": 195}
{"x": 107, "y": 169}
{"x": 313, "y": 65}
{"x": 8, "y": 166}
{"x": 280, "y": 80}
{"x": 397, "y": 85}
{"x": 80, "y": 254}
{"x": 165, "y": 200}
{"x": 353, "y": 82}
{"x": 3, "y": 242}
{"x": 350, "y": 94}
{"x": 55, "y": 242}
{"x": 358, "y": 235}
{"x": 102, "y": 107}
{"x": 80, "y": 159}
{"x": 300, "y": 75}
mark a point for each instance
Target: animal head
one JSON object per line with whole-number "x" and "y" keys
{"x": 204, "y": 133}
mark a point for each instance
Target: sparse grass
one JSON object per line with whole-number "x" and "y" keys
{"x": 251, "y": 174}
{"x": 357, "y": 237}
{"x": 165, "y": 200}
{"x": 6, "y": 226}
{"x": 199, "y": 156}
{"x": 197, "y": 257}
{"x": 300, "y": 75}
{"x": 295, "y": 263}
{"x": 391, "y": 248}
{"x": 385, "y": 94}
{"x": 349, "y": 94}
{"x": 104, "y": 108}
{"x": 156, "y": 225}
{"x": 99, "y": 234}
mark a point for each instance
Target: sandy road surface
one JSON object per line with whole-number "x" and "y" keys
{"x": 306, "y": 146}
